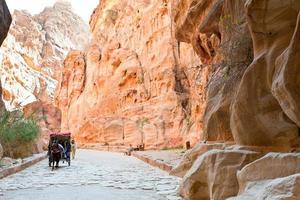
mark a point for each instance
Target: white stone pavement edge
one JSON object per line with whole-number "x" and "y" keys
{"x": 21, "y": 166}
{"x": 153, "y": 162}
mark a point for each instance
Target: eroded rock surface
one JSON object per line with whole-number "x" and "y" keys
{"x": 274, "y": 176}
{"x": 280, "y": 188}
{"x": 219, "y": 35}
{"x": 271, "y": 166}
{"x": 213, "y": 174}
{"x": 191, "y": 155}
{"x": 32, "y": 59}
{"x": 253, "y": 104}
{"x": 5, "y": 21}
{"x": 263, "y": 112}
{"x": 133, "y": 85}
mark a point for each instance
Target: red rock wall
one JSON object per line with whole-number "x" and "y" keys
{"x": 135, "y": 84}
{"x": 252, "y": 94}
{"x": 165, "y": 72}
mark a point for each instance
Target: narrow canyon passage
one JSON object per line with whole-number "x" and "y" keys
{"x": 92, "y": 175}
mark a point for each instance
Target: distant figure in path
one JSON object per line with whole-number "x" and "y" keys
{"x": 73, "y": 149}
{"x": 130, "y": 149}
{"x": 68, "y": 150}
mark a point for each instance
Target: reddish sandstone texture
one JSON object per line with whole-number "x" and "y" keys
{"x": 135, "y": 83}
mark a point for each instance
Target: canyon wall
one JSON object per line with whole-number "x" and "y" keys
{"x": 135, "y": 84}
{"x": 222, "y": 73}
{"x": 253, "y": 100}
{"x": 32, "y": 57}
{"x": 248, "y": 103}
{"x": 166, "y": 72}
{"x": 5, "y": 19}
{"x": 219, "y": 34}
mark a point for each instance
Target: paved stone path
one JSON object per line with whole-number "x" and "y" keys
{"x": 93, "y": 175}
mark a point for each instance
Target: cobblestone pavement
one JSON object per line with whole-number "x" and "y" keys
{"x": 93, "y": 175}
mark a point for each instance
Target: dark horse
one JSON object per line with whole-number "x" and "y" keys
{"x": 54, "y": 155}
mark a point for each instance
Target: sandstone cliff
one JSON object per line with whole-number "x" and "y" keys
{"x": 253, "y": 105}
{"x": 224, "y": 72}
{"x": 32, "y": 57}
{"x": 5, "y": 19}
{"x": 219, "y": 35}
{"x": 135, "y": 84}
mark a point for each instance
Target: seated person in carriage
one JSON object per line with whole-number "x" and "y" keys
{"x": 67, "y": 146}
{"x": 62, "y": 150}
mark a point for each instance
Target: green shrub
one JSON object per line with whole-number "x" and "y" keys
{"x": 17, "y": 134}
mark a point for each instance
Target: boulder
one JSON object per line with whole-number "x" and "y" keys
{"x": 270, "y": 166}
{"x": 191, "y": 155}
{"x": 285, "y": 188}
{"x": 213, "y": 174}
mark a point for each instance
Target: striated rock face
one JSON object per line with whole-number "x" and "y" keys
{"x": 219, "y": 35}
{"x": 133, "y": 85}
{"x": 32, "y": 58}
{"x": 34, "y": 50}
{"x": 252, "y": 100}
{"x": 252, "y": 105}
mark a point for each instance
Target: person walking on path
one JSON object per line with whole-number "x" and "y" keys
{"x": 73, "y": 149}
{"x": 130, "y": 149}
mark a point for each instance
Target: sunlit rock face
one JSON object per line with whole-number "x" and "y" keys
{"x": 32, "y": 58}
{"x": 135, "y": 84}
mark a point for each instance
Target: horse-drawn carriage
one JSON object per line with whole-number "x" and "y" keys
{"x": 59, "y": 149}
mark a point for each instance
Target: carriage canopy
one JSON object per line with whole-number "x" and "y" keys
{"x": 60, "y": 135}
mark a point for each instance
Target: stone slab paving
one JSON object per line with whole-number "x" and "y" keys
{"x": 104, "y": 175}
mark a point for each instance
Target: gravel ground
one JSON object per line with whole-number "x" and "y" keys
{"x": 92, "y": 175}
